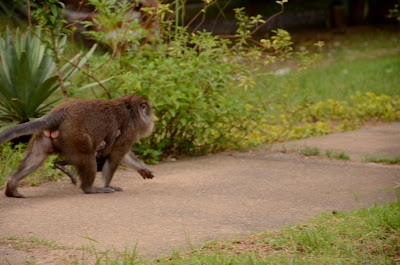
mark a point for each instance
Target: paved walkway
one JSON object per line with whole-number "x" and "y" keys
{"x": 199, "y": 199}
{"x": 383, "y": 140}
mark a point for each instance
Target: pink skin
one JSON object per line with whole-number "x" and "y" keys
{"x": 101, "y": 145}
{"x": 53, "y": 134}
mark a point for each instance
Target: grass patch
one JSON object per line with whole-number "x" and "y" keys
{"x": 377, "y": 158}
{"x": 363, "y": 236}
{"x": 337, "y": 155}
{"x": 310, "y": 151}
{"x": 366, "y": 236}
{"x": 24, "y": 243}
{"x": 341, "y": 79}
{"x": 357, "y": 60}
{"x": 43, "y": 249}
{"x": 315, "y": 151}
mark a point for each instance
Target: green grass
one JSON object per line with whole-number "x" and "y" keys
{"x": 378, "y": 158}
{"x": 363, "y": 236}
{"x": 366, "y": 236}
{"x": 31, "y": 242}
{"x": 365, "y": 60}
{"x": 337, "y": 155}
{"x": 310, "y": 151}
{"x": 340, "y": 80}
{"x": 315, "y": 151}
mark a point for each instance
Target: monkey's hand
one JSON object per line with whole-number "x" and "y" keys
{"x": 146, "y": 173}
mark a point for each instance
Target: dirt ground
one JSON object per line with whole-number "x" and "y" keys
{"x": 197, "y": 199}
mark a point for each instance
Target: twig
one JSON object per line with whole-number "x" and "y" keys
{"x": 120, "y": 84}
{"x": 258, "y": 27}
{"x": 268, "y": 20}
{"x": 198, "y": 14}
{"x": 55, "y": 52}
{"x": 29, "y": 16}
{"x": 106, "y": 91}
{"x": 79, "y": 21}
{"x": 219, "y": 13}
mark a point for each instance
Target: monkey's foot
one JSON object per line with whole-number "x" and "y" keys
{"x": 146, "y": 173}
{"x": 98, "y": 190}
{"x": 12, "y": 192}
{"x": 115, "y": 188}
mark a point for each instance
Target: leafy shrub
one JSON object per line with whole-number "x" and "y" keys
{"x": 379, "y": 107}
{"x": 394, "y": 12}
{"x": 201, "y": 85}
{"x": 307, "y": 119}
{"x": 203, "y": 90}
{"x": 199, "y": 96}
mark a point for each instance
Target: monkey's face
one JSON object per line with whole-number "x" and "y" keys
{"x": 146, "y": 115}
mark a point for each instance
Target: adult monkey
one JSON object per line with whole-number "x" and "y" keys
{"x": 76, "y": 130}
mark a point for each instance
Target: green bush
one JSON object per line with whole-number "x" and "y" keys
{"x": 199, "y": 95}
{"x": 394, "y": 12}
{"x": 202, "y": 86}
{"x": 208, "y": 92}
{"x": 307, "y": 119}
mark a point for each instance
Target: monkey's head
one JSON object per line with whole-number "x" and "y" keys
{"x": 142, "y": 114}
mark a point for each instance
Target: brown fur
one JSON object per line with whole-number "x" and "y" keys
{"x": 78, "y": 130}
{"x": 100, "y": 159}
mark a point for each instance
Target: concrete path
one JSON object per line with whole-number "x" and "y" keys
{"x": 199, "y": 199}
{"x": 376, "y": 140}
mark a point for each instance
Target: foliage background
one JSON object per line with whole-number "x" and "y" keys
{"x": 212, "y": 93}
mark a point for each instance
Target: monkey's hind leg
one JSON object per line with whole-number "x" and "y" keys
{"x": 38, "y": 149}
{"x": 61, "y": 166}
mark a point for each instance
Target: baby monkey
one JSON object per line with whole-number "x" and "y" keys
{"x": 100, "y": 159}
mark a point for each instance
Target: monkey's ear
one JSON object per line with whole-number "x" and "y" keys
{"x": 144, "y": 108}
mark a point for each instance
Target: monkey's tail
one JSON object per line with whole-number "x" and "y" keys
{"x": 48, "y": 121}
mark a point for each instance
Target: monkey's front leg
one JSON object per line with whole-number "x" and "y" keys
{"x": 132, "y": 161}
{"x": 87, "y": 171}
{"x": 109, "y": 168}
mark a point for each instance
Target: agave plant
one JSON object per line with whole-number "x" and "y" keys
{"x": 27, "y": 76}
